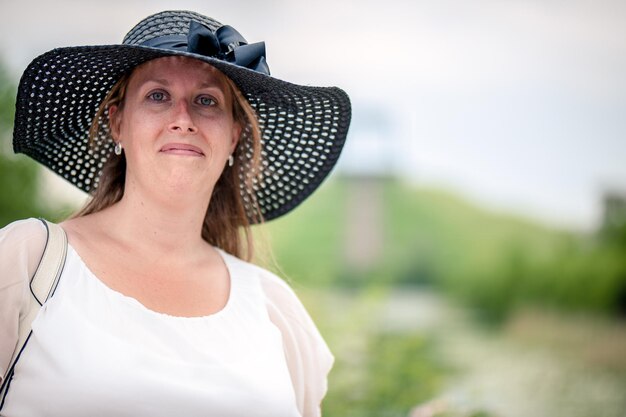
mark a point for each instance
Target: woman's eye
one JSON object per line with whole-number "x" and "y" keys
{"x": 206, "y": 101}
{"x": 157, "y": 96}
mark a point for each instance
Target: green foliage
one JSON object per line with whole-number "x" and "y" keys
{"x": 402, "y": 372}
{"x": 494, "y": 262}
{"x": 378, "y": 371}
{"x": 18, "y": 188}
{"x": 588, "y": 276}
{"x": 498, "y": 262}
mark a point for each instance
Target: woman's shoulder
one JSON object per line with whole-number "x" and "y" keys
{"x": 24, "y": 227}
{"x": 282, "y": 295}
{"x": 308, "y": 357}
{"x": 21, "y": 238}
{"x": 277, "y": 291}
{"x": 284, "y": 307}
{"x": 21, "y": 246}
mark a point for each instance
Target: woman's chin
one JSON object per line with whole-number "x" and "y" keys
{"x": 183, "y": 183}
{"x": 182, "y": 170}
{"x": 187, "y": 184}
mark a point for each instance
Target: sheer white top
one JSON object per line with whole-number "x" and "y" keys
{"x": 97, "y": 352}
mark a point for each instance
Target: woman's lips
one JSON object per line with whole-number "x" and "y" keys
{"x": 182, "y": 149}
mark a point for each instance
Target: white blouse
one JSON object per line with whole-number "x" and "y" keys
{"x": 97, "y": 352}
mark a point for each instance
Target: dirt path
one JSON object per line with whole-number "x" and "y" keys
{"x": 508, "y": 373}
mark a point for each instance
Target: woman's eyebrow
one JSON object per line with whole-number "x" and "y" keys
{"x": 161, "y": 81}
{"x": 213, "y": 83}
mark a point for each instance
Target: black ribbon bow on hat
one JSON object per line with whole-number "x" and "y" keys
{"x": 225, "y": 44}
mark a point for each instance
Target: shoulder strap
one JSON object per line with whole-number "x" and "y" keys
{"x": 46, "y": 278}
{"x": 42, "y": 287}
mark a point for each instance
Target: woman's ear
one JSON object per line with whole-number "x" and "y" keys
{"x": 114, "y": 121}
{"x": 236, "y": 135}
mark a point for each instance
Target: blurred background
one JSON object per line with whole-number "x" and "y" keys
{"x": 467, "y": 257}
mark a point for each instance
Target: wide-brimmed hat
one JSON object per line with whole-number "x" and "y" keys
{"x": 303, "y": 128}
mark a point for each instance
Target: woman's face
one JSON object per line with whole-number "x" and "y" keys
{"x": 176, "y": 125}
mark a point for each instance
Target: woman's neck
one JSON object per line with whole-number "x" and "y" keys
{"x": 167, "y": 224}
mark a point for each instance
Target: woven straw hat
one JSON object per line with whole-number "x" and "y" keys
{"x": 303, "y": 128}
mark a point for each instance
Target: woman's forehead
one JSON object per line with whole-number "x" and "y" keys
{"x": 167, "y": 69}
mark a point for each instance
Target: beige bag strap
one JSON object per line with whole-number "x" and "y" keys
{"x": 51, "y": 264}
{"x": 42, "y": 287}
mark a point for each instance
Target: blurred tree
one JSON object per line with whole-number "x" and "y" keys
{"x": 18, "y": 174}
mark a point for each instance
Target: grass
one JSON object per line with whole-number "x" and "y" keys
{"x": 493, "y": 261}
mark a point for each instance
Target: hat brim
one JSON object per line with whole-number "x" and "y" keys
{"x": 303, "y": 127}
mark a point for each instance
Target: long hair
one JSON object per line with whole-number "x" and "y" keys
{"x": 227, "y": 219}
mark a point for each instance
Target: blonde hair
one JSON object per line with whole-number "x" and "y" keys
{"x": 227, "y": 219}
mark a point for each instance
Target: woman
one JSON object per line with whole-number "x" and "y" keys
{"x": 156, "y": 311}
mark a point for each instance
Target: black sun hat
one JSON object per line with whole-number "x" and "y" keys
{"x": 303, "y": 128}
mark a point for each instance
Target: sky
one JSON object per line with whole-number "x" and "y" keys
{"x": 517, "y": 105}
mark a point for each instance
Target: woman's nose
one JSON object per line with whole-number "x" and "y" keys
{"x": 182, "y": 121}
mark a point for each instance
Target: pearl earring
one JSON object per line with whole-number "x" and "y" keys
{"x": 231, "y": 160}
{"x": 118, "y": 148}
